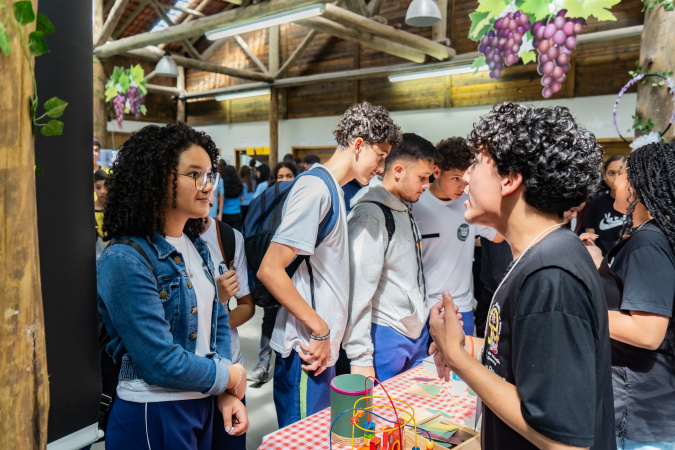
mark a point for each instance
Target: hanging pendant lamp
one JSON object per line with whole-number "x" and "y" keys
{"x": 423, "y": 13}
{"x": 166, "y": 67}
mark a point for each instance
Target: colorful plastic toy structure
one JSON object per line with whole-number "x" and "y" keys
{"x": 390, "y": 438}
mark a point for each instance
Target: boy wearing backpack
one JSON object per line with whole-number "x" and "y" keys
{"x": 386, "y": 332}
{"x": 313, "y": 314}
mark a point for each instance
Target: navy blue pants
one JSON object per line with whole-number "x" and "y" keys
{"x": 394, "y": 352}
{"x": 222, "y": 440}
{"x": 297, "y": 392}
{"x": 182, "y": 424}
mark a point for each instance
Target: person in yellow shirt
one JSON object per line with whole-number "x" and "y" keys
{"x": 99, "y": 204}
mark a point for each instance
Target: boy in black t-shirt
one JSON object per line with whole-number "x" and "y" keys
{"x": 544, "y": 371}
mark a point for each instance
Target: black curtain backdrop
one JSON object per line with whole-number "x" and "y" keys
{"x": 65, "y": 208}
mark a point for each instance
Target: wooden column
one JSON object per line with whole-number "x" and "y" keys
{"x": 657, "y": 52}
{"x": 274, "y": 49}
{"x": 440, "y": 32}
{"x": 180, "y": 84}
{"x": 274, "y": 126}
{"x": 24, "y": 383}
{"x": 100, "y": 112}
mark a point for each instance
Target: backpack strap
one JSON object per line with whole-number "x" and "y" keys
{"x": 226, "y": 241}
{"x": 389, "y": 222}
{"x": 138, "y": 248}
{"x": 325, "y": 227}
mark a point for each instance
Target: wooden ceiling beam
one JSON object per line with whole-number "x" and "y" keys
{"x": 132, "y": 16}
{"x": 155, "y": 54}
{"x": 357, "y": 7}
{"x": 111, "y": 22}
{"x": 192, "y": 12}
{"x": 384, "y": 45}
{"x": 296, "y": 53}
{"x": 198, "y": 27}
{"x": 431, "y": 48}
{"x": 186, "y": 44}
{"x": 347, "y": 75}
{"x": 244, "y": 46}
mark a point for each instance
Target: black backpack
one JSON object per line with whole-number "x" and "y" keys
{"x": 264, "y": 217}
{"x": 388, "y": 222}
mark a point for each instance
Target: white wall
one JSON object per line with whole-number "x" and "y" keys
{"x": 595, "y": 113}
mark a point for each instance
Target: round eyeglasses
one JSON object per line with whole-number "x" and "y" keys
{"x": 202, "y": 178}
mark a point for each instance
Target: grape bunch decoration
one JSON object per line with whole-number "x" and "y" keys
{"x": 125, "y": 90}
{"x": 555, "y": 39}
{"x": 501, "y": 45}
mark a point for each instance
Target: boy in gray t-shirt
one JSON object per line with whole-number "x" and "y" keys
{"x": 305, "y": 340}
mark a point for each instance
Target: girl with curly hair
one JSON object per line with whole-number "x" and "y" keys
{"x": 543, "y": 370}
{"x": 638, "y": 275}
{"x": 157, "y": 296}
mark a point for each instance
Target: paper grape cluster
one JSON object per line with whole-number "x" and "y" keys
{"x": 501, "y": 45}
{"x": 554, "y": 40}
{"x": 131, "y": 101}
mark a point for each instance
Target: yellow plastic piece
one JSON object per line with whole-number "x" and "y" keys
{"x": 430, "y": 445}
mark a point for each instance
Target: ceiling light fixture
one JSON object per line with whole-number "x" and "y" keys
{"x": 242, "y": 94}
{"x": 434, "y": 73}
{"x": 264, "y": 22}
{"x": 423, "y": 13}
{"x": 166, "y": 67}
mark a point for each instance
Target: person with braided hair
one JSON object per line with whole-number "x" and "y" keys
{"x": 638, "y": 276}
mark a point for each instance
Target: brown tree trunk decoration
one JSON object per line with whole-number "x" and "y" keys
{"x": 24, "y": 384}
{"x": 100, "y": 112}
{"x": 657, "y": 52}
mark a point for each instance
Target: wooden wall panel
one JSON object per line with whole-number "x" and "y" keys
{"x": 405, "y": 95}
{"x": 323, "y": 99}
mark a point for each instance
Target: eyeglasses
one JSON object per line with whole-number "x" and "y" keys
{"x": 202, "y": 178}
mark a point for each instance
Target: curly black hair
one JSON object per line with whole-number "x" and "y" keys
{"x": 232, "y": 183}
{"x": 368, "y": 122}
{"x": 651, "y": 174}
{"x": 558, "y": 159}
{"x": 146, "y": 162}
{"x": 454, "y": 153}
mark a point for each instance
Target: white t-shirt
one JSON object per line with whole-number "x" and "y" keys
{"x": 307, "y": 204}
{"x": 138, "y": 390}
{"x": 447, "y": 247}
{"x": 240, "y": 266}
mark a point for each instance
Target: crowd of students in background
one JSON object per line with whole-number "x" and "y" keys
{"x": 550, "y": 294}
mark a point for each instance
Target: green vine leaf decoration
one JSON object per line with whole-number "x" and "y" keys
{"x": 528, "y": 57}
{"x": 55, "y": 107}
{"x": 536, "y": 9}
{"x": 586, "y": 8}
{"x": 144, "y": 110}
{"x": 23, "y": 12}
{"x": 481, "y": 22}
{"x": 43, "y": 25}
{"x": 37, "y": 44}
{"x": 478, "y": 63}
{"x": 52, "y": 128}
{"x": 5, "y": 45}
{"x": 667, "y": 4}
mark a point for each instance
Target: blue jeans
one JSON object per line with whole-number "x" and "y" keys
{"x": 394, "y": 352}
{"x": 641, "y": 445}
{"x": 181, "y": 424}
{"x": 297, "y": 392}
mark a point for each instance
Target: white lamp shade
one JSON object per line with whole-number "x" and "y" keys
{"x": 423, "y": 13}
{"x": 166, "y": 67}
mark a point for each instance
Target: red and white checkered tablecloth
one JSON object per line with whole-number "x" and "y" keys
{"x": 313, "y": 431}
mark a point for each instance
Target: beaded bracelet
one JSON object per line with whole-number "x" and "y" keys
{"x": 238, "y": 381}
{"x": 319, "y": 338}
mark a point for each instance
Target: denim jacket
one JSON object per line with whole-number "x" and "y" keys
{"x": 156, "y": 337}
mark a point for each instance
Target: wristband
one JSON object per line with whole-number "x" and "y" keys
{"x": 319, "y": 338}
{"x": 472, "y": 347}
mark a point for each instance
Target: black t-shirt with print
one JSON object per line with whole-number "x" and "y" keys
{"x": 548, "y": 335}
{"x": 644, "y": 380}
{"x": 605, "y": 220}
